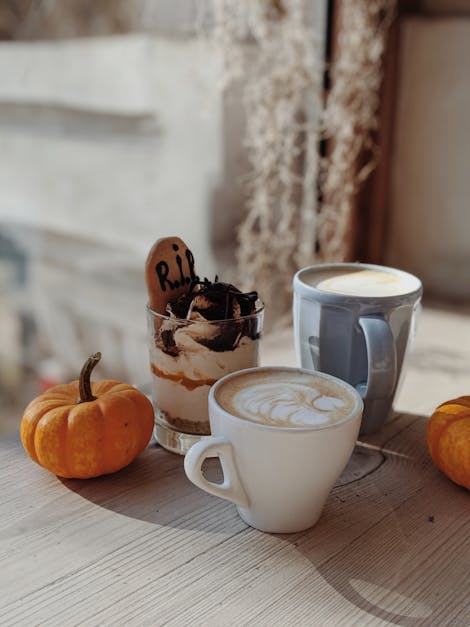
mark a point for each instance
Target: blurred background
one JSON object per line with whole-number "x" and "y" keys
{"x": 267, "y": 136}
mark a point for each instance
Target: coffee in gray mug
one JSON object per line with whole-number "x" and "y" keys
{"x": 354, "y": 321}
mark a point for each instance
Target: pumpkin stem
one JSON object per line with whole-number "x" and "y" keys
{"x": 84, "y": 384}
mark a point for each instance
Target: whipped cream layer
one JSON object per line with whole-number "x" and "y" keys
{"x": 180, "y": 407}
{"x": 198, "y": 364}
{"x": 285, "y": 399}
{"x": 182, "y": 382}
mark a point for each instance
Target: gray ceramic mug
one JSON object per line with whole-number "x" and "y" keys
{"x": 361, "y": 339}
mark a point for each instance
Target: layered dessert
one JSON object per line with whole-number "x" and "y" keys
{"x": 209, "y": 331}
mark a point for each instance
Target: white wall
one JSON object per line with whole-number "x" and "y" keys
{"x": 430, "y": 229}
{"x": 105, "y": 146}
{"x": 119, "y": 139}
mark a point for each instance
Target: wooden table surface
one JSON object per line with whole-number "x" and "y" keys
{"x": 146, "y": 547}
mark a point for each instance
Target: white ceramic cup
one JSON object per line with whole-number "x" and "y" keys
{"x": 278, "y": 477}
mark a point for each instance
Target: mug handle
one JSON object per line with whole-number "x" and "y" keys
{"x": 231, "y": 489}
{"x": 381, "y": 358}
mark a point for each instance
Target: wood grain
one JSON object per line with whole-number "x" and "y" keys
{"x": 145, "y": 547}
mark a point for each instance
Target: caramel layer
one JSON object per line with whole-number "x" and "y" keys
{"x": 181, "y": 379}
{"x": 186, "y": 426}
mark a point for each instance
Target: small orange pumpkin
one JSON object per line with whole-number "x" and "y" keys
{"x": 82, "y": 429}
{"x": 448, "y": 438}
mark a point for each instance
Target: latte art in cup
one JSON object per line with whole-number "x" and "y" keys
{"x": 281, "y": 399}
{"x": 283, "y": 436}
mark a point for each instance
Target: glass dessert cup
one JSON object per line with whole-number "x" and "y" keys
{"x": 186, "y": 358}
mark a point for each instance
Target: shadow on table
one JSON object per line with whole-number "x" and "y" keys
{"x": 378, "y": 543}
{"x": 155, "y": 489}
{"x": 370, "y": 542}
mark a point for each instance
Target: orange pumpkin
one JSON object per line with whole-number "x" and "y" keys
{"x": 448, "y": 438}
{"x": 82, "y": 429}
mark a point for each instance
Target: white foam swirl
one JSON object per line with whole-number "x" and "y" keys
{"x": 296, "y": 404}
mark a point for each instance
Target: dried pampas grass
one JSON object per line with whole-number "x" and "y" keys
{"x": 272, "y": 49}
{"x": 350, "y": 117}
{"x": 298, "y": 208}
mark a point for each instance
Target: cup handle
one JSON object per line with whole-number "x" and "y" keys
{"x": 381, "y": 358}
{"x": 231, "y": 489}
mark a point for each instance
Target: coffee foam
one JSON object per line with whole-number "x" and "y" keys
{"x": 361, "y": 282}
{"x": 285, "y": 398}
